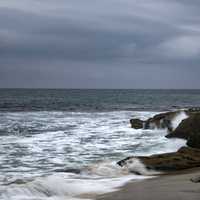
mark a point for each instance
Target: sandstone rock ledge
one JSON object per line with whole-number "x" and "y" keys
{"x": 184, "y": 158}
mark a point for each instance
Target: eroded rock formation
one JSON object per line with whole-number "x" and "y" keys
{"x": 188, "y": 129}
{"x": 184, "y": 158}
{"x": 162, "y": 120}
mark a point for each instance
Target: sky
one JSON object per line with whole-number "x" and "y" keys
{"x": 100, "y": 44}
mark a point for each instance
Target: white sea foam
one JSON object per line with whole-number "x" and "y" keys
{"x": 70, "y": 186}
{"x": 105, "y": 169}
{"x": 178, "y": 119}
{"x": 134, "y": 165}
{"x": 93, "y": 142}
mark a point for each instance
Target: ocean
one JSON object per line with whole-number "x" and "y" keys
{"x": 64, "y": 144}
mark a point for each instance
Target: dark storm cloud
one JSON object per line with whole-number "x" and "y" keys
{"x": 97, "y": 43}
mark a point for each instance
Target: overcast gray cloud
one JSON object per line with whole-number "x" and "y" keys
{"x": 100, "y": 44}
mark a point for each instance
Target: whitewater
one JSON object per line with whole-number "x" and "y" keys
{"x": 51, "y": 155}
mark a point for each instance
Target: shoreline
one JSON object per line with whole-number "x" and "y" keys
{"x": 171, "y": 186}
{"x": 181, "y": 178}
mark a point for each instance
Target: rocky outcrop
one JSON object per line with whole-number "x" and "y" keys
{"x": 194, "y": 140}
{"x": 163, "y": 120}
{"x": 137, "y": 123}
{"x": 192, "y": 111}
{"x": 188, "y": 129}
{"x": 184, "y": 158}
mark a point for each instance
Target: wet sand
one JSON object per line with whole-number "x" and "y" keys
{"x": 176, "y": 186}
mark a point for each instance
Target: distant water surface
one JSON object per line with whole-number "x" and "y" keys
{"x": 95, "y": 100}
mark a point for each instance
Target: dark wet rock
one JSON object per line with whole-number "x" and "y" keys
{"x": 18, "y": 182}
{"x": 188, "y": 129}
{"x": 136, "y": 123}
{"x": 160, "y": 121}
{"x": 184, "y": 158}
{"x": 69, "y": 170}
{"x": 163, "y": 120}
{"x": 196, "y": 179}
{"x": 193, "y": 110}
{"x": 194, "y": 140}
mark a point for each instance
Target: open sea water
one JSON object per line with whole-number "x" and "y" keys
{"x": 64, "y": 144}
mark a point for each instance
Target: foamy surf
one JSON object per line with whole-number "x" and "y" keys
{"x": 93, "y": 180}
{"x": 38, "y": 143}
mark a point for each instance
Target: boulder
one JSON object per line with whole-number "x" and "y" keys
{"x": 188, "y": 129}
{"x": 160, "y": 121}
{"x": 163, "y": 120}
{"x": 136, "y": 123}
{"x": 184, "y": 158}
{"x": 194, "y": 140}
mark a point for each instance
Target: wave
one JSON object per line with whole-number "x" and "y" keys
{"x": 73, "y": 140}
{"x": 95, "y": 179}
{"x": 134, "y": 165}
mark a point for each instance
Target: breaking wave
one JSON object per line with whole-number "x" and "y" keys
{"x": 55, "y": 155}
{"x": 178, "y": 119}
{"x": 95, "y": 179}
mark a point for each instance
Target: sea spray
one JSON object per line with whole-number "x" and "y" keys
{"x": 134, "y": 165}
{"x": 97, "y": 179}
{"x": 105, "y": 169}
{"x": 178, "y": 119}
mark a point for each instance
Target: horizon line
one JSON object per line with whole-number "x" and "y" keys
{"x": 62, "y": 88}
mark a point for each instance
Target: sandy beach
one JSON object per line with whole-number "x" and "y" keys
{"x": 166, "y": 187}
